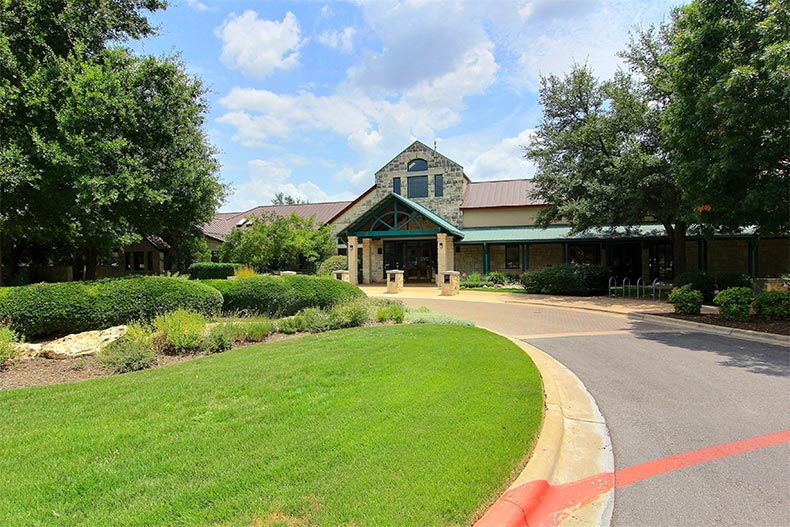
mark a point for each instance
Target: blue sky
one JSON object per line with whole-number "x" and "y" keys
{"x": 311, "y": 98}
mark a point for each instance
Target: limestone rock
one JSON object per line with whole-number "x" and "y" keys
{"x": 80, "y": 344}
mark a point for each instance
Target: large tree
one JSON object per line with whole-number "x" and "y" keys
{"x": 728, "y": 65}
{"x": 99, "y": 146}
{"x": 600, "y": 157}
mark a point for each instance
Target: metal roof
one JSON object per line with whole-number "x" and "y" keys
{"x": 224, "y": 222}
{"x": 555, "y": 233}
{"x": 498, "y": 194}
{"x": 416, "y": 207}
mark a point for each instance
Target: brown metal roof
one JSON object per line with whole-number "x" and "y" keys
{"x": 498, "y": 194}
{"x": 224, "y": 222}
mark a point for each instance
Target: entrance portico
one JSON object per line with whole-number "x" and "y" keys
{"x": 397, "y": 233}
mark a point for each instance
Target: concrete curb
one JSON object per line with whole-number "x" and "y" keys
{"x": 573, "y": 444}
{"x": 744, "y": 334}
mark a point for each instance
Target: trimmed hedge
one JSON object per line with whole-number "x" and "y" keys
{"x": 773, "y": 305}
{"x": 567, "y": 279}
{"x": 281, "y": 296}
{"x": 212, "y": 270}
{"x": 331, "y": 264}
{"x": 70, "y": 307}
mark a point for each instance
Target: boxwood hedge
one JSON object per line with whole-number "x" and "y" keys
{"x": 567, "y": 279}
{"x": 282, "y": 295}
{"x": 58, "y": 309}
{"x": 212, "y": 270}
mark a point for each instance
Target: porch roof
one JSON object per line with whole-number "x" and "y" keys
{"x": 556, "y": 233}
{"x": 441, "y": 223}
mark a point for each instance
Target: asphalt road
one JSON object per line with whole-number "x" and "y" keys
{"x": 664, "y": 392}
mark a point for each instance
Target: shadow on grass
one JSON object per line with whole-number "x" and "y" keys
{"x": 755, "y": 357}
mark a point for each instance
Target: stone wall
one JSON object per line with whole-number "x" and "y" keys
{"x": 728, "y": 256}
{"x": 544, "y": 255}
{"x": 773, "y": 257}
{"x": 469, "y": 259}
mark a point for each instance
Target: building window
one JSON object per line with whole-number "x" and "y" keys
{"x": 586, "y": 253}
{"x": 139, "y": 261}
{"x": 438, "y": 185}
{"x": 512, "y": 257}
{"x": 396, "y": 185}
{"x": 418, "y": 186}
{"x": 150, "y": 258}
{"x": 417, "y": 165}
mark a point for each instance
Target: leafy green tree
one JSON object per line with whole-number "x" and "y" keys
{"x": 281, "y": 199}
{"x": 279, "y": 243}
{"x": 600, "y": 159}
{"x": 99, "y": 145}
{"x": 728, "y": 68}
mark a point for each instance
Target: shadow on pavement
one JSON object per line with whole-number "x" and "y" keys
{"x": 756, "y": 357}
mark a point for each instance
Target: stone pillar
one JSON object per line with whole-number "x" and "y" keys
{"x": 451, "y": 283}
{"x": 352, "y": 260}
{"x": 441, "y": 257}
{"x": 394, "y": 281}
{"x": 366, "y": 250}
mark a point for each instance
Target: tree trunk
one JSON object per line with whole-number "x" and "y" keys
{"x": 679, "y": 247}
{"x": 91, "y": 258}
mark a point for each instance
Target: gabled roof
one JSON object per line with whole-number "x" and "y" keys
{"x": 500, "y": 194}
{"x": 440, "y": 222}
{"x": 423, "y": 149}
{"x": 158, "y": 242}
{"x": 224, "y": 222}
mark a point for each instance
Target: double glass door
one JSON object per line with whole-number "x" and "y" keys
{"x": 416, "y": 258}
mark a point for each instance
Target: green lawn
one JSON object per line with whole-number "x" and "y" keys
{"x": 416, "y": 425}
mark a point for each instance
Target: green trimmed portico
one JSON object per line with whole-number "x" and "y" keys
{"x": 397, "y": 233}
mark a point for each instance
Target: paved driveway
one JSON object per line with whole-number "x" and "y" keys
{"x": 665, "y": 392}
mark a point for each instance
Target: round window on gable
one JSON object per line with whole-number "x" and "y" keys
{"x": 417, "y": 165}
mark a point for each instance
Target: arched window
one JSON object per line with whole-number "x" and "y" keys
{"x": 417, "y": 165}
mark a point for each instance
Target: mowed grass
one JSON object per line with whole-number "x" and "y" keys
{"x": 385, "y": 426}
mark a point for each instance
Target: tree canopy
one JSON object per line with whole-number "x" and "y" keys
{"x": 279, "y": 243}
{"x": 98, "y": 145}
{"x": 281, "y": 199}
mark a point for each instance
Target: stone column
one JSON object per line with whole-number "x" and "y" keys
{"x": 441, "y": 257}
{"x": 352, "y": 260}
{"x": 366, "y": 250}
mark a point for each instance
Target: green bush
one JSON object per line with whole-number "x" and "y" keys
{"x": 212, "y": 270}
{"x": 734, "y": 303}
{"x": 697, "y": 280}
{"x": 280, "y": 296}
{"x": 315, "y": 320}
{"x": 253, "y": 329}
{"x": 132, "y": 352}
{"x": 333, "y": 263}
{"x": 180, "y": 332}
{"x": 497, "y": 278}
{"x": 773, "y": 305}
{"x": 59, "y": 309}
{"x": 291, "y": 325}
{"x": 8, "y": 338}
{"x": 351, "y": 314}
{"x": 220, "y": 337}
{"x": 424, "y": 315}
{"x": 686, "y": 299}
{"x": 390, "y": 311}
{"x": 728, "y": 280}
{"x": 567, "y": 279}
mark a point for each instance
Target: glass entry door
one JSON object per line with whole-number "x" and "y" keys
{"x": 416, "y": 258}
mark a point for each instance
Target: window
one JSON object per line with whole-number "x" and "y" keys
{"x": 418, "y": 186}
{"x": 139, "y": 261}
{"x": 396, "y": 185}
{"x": 438, "y": 185}
{"x": 150, "y": 258}
{"x": 417, "y": 165}
{"x": 586, "y": 253}
{"x": 512, "y": 257}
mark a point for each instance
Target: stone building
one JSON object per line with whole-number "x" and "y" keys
{"x": 424, "y": 216}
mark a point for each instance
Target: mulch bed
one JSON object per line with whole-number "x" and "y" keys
{"x": 754, "y": 323}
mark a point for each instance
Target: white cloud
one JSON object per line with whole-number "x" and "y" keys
{"x": 353, "y": 178}
{"x": 343, "y": 40}
{"x": 256, "y": 46}
{"x": 266, "y": 178}
{"x": 484, "y": 161}
{"x": 195, "y": 4}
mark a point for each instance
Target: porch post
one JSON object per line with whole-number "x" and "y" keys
{"x": 366, "y": 250}
{"x": 441, "y": 257}
{"x": 352, "y": 260}
{"x": 486, "y": 259}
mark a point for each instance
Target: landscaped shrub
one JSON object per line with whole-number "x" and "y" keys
{"x": 291, "y": 325}
{"x": 773, "y": 305}
{"x": 252, "y": 329}
{"x": 567, "y": 279}
{"x": 333, "y": 263}
{"x": 697, "y": 280}
{"x": 283, "y": 295}
{"x": 59, "y": 309}
{"x": 244, "y": 272}
{"x": 423, "y": 315}
{"x": 132, "y": 352}
{"x": 8, "y": 338}
{"x": 220, "y": 338}
{"x": 390, "y": 311}
{"x": 497, "y": 278}
{"x": 686, "y": 299}
{"x": 179, "y": 332}
{"x": 728, "y": 280}
{"x": 474, "y": 280}
{"x": 351, "y": 314}
{"x": 209, "y": 270}
{"x": 734, "y": 303}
